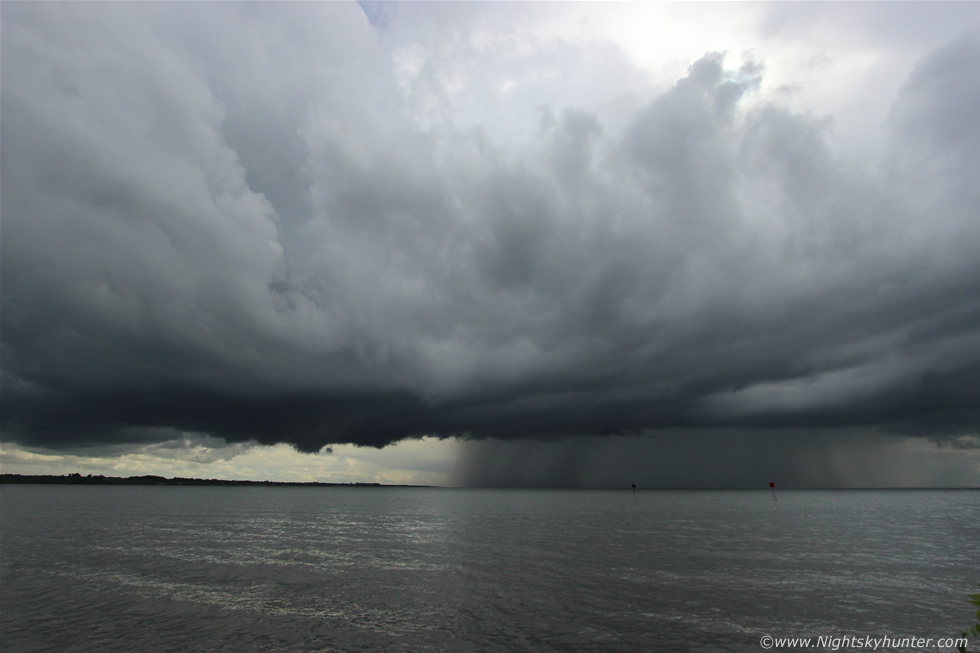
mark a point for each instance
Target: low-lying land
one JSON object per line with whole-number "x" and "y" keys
{"x": 78, "y": 479}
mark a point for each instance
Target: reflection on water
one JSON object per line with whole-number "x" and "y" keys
{"x": 90, "y": 568}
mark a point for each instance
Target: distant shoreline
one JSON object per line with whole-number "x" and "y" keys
{"x": 78, "y": 479}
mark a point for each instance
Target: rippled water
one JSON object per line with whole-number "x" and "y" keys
{"x": 116, "y": 568}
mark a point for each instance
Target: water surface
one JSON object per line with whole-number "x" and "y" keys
{"x": 131, "y": 568}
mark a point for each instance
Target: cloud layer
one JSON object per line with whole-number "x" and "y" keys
{"x": 335, "y": 224}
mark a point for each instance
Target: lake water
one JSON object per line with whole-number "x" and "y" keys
{"x": 126, "y": 568}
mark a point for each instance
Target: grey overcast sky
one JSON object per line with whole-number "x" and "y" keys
{"x": 536, "y": 243}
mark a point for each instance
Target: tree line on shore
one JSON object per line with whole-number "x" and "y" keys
{"x": 148, "y": 479}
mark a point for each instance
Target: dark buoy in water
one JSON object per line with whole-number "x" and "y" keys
{"x": 772, "y": 486}
{"x": 634, "y": 489}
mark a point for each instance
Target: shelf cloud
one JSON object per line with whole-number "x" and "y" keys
{"x": 334, "y": 223}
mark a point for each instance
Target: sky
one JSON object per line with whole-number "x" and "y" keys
{"x": 494, "y": 244}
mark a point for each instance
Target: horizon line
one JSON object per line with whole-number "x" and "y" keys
{"x": 76, "y": 478}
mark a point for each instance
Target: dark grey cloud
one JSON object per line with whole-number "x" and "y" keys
{"x": 280, "y": 236}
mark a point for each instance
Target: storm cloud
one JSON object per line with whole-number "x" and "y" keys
{"x": 322, "y": 223}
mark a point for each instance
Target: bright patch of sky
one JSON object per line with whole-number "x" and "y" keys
{"x": 427, "y": 461}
